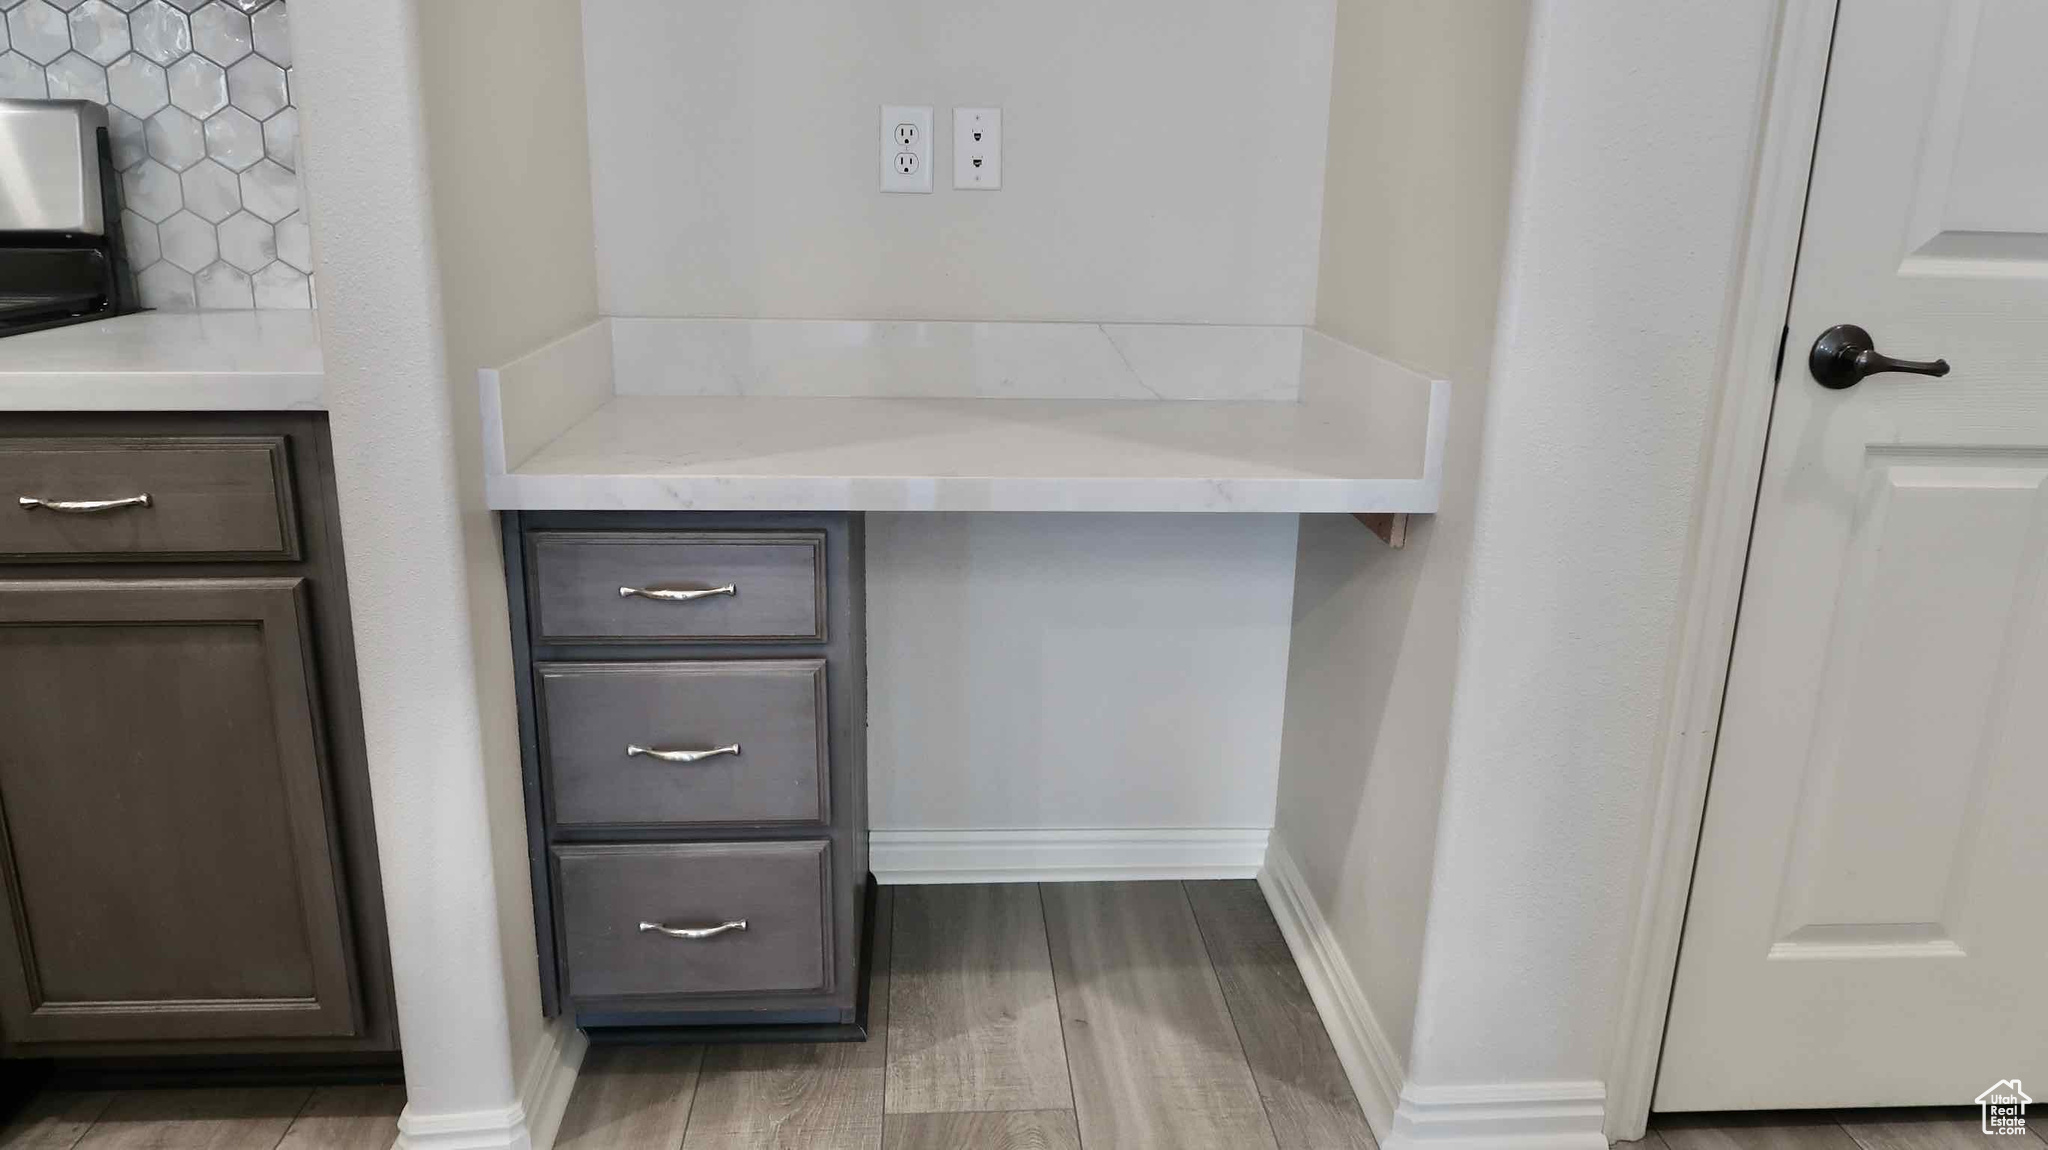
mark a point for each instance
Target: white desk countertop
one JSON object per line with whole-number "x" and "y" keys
{"x": 167, "y": 361}
{"x": 716, "y": 415}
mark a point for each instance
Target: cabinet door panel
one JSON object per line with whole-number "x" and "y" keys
{"x": 169, "y": 863}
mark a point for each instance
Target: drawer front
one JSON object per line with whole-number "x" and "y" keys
{"x": 780, "y": 890}
{"x": 772, "y": 710}
{"x": 207, "y": 498}
{"x": 613, "y": 586}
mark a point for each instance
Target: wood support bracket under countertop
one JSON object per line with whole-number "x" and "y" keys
{"x": 1390, "y": 526}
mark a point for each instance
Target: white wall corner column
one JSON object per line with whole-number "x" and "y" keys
{"x": 1424, "y": 107}
{"x": 1630, "y": 201}
{"x": 358, "y": 66}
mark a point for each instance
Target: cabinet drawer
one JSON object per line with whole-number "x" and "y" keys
{"x": 613, "y": 586}
{"x": 613, "y": 899}
{"x": 206, "y": 498}
{"x": 608, "y": 726}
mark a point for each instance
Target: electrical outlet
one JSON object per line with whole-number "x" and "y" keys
{"x": 906, "y": 148}
{"x": 978, "y": 148}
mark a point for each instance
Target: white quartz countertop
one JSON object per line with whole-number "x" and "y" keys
{"x": 167, "y": 361}
{"x": 742, "y": 415}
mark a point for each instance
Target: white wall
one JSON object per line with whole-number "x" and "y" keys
{"x": 1162, "y": 158}
{"x": 1629, "y": 203}
{"x": 1076, "y": 671}
{"x": 416, "y": 188}
{"x": 504, "y": 113}
{"x": 1163, "y": 161}
{"x": 1422, "y": 138}
{"x": 365, "y": 160}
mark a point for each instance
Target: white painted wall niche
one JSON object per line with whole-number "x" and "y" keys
{"x": 1550, "y": 708}
{"x": 1037, "y": 675}
{"x": 1079, "y": 695}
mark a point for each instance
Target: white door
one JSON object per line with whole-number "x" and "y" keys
{"x": 1869, "y": 913}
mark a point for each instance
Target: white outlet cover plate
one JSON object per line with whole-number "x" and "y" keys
{"x": 906, "y": 162}
{"x": 978, "y": 135}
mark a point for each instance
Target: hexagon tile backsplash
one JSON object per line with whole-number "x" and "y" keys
{"x": 198, "y": 96}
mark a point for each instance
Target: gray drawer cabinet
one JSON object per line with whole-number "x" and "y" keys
{"x": 632, "y": 587}
{"x": 742, "y": 918}
{"x": 693, "y": 720}
{"x": 188, "y": 865}
{"x": 679, "y": 743}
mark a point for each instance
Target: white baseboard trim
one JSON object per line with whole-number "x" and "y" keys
{"x": 528, "y": 1124}
{"x": 1369, "y": 1059}
{"x": 1403, "y": 1116}
{"x": 1501, "y": 1116}
{"x": 549, "y": 1080}
{"x": 902, "y": 857}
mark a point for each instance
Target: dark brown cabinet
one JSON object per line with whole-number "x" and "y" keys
{"x": 172, "y": 722}
{"x": 187, "y": 862}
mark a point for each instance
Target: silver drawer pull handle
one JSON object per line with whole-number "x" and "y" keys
{"x": 82, "y": 505}
{"x": 675, "y": 596}
{"x": 693, "y": 932}
{"x": 682, "y": 756}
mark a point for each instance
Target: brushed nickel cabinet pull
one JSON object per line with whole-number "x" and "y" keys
{"x": 692, "y": 933}
{"x": 681, "y": 756}
{"x": 675, "y": 596}
{"x": 80, "y": 506}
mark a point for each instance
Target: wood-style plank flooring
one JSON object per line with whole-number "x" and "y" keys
{"x": 1110, "y": 1016}
{"x": 255, "y": 1118}
{"x": 1924, "y": 1128}
{"x": 1019, "y": 1017}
